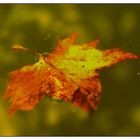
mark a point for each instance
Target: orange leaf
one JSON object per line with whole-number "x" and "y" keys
{"x": 69, "y": 73}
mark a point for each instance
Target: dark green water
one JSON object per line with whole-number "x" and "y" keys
{"x": 40, "y": 27}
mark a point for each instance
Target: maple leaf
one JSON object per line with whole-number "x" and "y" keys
{"x": 69, "y": 73}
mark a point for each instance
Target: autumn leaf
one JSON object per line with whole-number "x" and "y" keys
{"x": 69, "y": 73}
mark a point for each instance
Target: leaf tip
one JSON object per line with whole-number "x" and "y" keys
{"x": 71, "y": 39}
{"x": 11, "y": 112}
{"x": 94, "y": 43}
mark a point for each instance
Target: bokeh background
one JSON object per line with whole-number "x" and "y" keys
{"x": 40, "y": 27}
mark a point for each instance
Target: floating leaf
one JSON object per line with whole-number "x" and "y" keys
{"x": 69, "y": 73}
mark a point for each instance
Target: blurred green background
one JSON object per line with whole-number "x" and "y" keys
{"x": 40, "y": 27}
